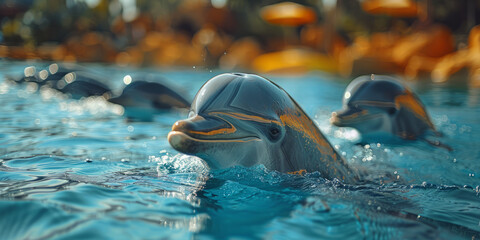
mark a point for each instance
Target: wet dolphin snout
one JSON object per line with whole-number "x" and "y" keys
{"x": 334, "y": 119}
{"x": 203, "y": 128}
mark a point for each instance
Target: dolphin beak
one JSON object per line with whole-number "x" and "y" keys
{"x": 187, "y": 134}
{"x": 342, "y": 118}
{"x": 203, "y": 128}
{"x": 335, "y": 120}
{"x": 196, "y": 134}
{"x": 115, "y": 100}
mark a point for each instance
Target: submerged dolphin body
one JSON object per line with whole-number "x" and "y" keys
{"x": 382, "y": 104}
{"x": 81, "y": 84}
{"x": 245, "y": 119}
{"x": 49, "y": 76}
{"x": 143, "y": 99}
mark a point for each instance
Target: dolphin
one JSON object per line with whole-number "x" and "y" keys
{"x": 379, "y": 104}
{"x": 55, "y": 72}
{"x": 245, "y": 119}
{"x": 142, "y": 99}
{"x": 80, "y": 84}
{"x": 48, "y": 76}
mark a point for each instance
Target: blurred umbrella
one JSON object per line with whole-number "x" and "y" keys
{"x": 437, "y": 41}
{"x": 293, "y": 61}
{"x": 460, "y": 64}
{"x": 288, "y": 14}
{"x": 395, "y": 8}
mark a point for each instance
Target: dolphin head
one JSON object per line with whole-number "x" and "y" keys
{"x": 142, "y": 100}
{"x": 381, "y": 104}
{"x": 147, "y": 94}
{"x": 245, "y": 119}
{"x": 234, "y": 120}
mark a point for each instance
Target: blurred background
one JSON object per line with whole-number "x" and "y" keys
{"x": 438, "y": 40}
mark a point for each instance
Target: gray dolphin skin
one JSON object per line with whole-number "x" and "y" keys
{"x": 382, "y": 104}
{"x": 143, "y": 99}
{"x": 81, "y": 84}
{"x": 151, "y": 95}
{"x": 245, "y": 119}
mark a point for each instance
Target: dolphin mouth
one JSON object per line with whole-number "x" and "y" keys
{"x": 348, "y": 118}
{"x": 177, "y": 134}
{"x": 198, "y": 134}
{"x": 211, "y": 128}
{"x": 185, "y": 143}
{"x": 116, "y": 100}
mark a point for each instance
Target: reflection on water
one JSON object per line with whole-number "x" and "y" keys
{"x": 473, "y": 97}
{"x": 76, "y": 169}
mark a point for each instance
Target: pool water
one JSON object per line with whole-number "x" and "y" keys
{"x": 76, "y": 169}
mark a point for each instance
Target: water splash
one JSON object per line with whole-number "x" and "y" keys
{"x": 179, "y": 163}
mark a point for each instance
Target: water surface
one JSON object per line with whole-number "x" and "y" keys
{"x": 76, "y": 169}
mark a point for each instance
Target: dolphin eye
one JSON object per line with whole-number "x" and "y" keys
{"x": 391, "y": 111}
{"x": 274, "y": 132}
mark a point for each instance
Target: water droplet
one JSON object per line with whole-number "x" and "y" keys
{"x": 43, "y": 74}
{"x": 130, "y": 128}
{"x": 29, "y": 71}
{"x": 193, "y": 67}
{"x": 127, "y": 79}
{"x": 69, "y": 78}
{"x": 53, "y": 68}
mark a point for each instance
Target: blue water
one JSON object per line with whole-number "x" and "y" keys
{"x": 75, "y": 169}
